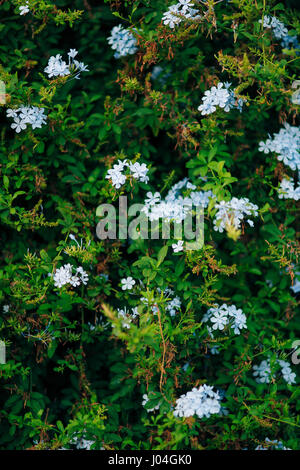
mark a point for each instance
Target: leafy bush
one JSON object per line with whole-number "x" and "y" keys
{"x": 140, "y": 343}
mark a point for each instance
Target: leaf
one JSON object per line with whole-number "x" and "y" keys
{"x": 5, "y": 182}
{"x": 161, "y": 255}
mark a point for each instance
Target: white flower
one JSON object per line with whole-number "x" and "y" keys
{"x": 59, "y": 68}
{"x": 127, "y": 283}
{"x": 122, "y": 41}
{"x": 145, "y": 400}
{"x": 135, "y": 312}
{"x": 263, "y": 372}
{"x": 126, "y": 320}
{"x": 271, "y": 445}
{"x": 83, "y": 275}
{"x": 152, "y": 198}
{"x": 177, "y": 246}
{"x": 12, "y": 113}
{"x": 223, "y": 315}
{"x": 18, "y": 125}
{"x": 285, "y": 144}
{"x": 280, "y": 31}
{"x": 219, "y": 320}
{"x": 219, "y": 96}
{"x": 139, "y": 171}
{"x": 232, "y": 212}
{"x": 116, "y": 177}
{"x": 173, "y": 305}
{"x": 177, "y": 13}
{"x": 72, "y": 53}
{"x": 24, "y": 9}
{"x": 175, "y": 206}
{"x": 64, "y": 275}
{"x": 202, "y": 402}
{"x": 24, "y": 115}
{"x": 286, "y": 190}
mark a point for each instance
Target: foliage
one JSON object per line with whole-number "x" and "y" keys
{"x": 74, "y": 371}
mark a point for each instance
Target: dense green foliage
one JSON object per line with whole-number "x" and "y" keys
{"x": 72, "y": 370}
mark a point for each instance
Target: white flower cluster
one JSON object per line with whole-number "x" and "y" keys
{"x": 137, "y": 171}
{"x": 64, "y": 275}
{"x": 221, "y": 96}
{"x": 81, "y": 443}
{"x": 287, "y": 191}
{"x": 122, "y": 41}
{"x": 59, "y": 68}
{"x": 202, "y": 401}
{"x": 145, "y": 400}
{"x": 174, "y": 304}
{"x": 175, "y": 206}
{"x": 126, "y": 316}
{"x": 233, "y": 212}
{"x": 183, "y": 10}
{"x": 27, "y": 115}
{"x": 24, "y": 9}
{"x": 286, "y": 144}
{"x": 271, "y": 445}
{"x": 281, "y": 32}
{"x": 223, "y": 315}
{"x": 171, "y": 306}
{"x": 263, "y": 372}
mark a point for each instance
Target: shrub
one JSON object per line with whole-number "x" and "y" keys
{"x": 140, "y": 343}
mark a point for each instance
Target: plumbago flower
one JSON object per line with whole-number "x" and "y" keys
{"x": 183, "y": 10}
{"x": 127, "y": 316}
{"x": 287, "y": 190}
{"x": 269, "y": 444}
{"x": 137, "y": 171}
{"x": 221, "y": 316}
{"x": 24, "y": 9}
{"x": 64, "y": 276}
{"x": 26, "y": 115}
{"x": 177, "y": 247}
{"x": 263, "y": 372}
{"x": 122, "y": 41}
{"x": 59, "y": 68}
{"x": 281, "y": 32}
{"x": 145, "y": 401}
{"x": 221, "y": 96}
{"x": 286, "y": 144}
{"x": 172, "y": 305}
{"x": 202, "y": 401}
{"x": 176, "y": 206}
{"x": 127, "y": 283}
{"x": 231, "y": 213}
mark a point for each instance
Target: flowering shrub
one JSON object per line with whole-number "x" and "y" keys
{"x": 183, "y": 108}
